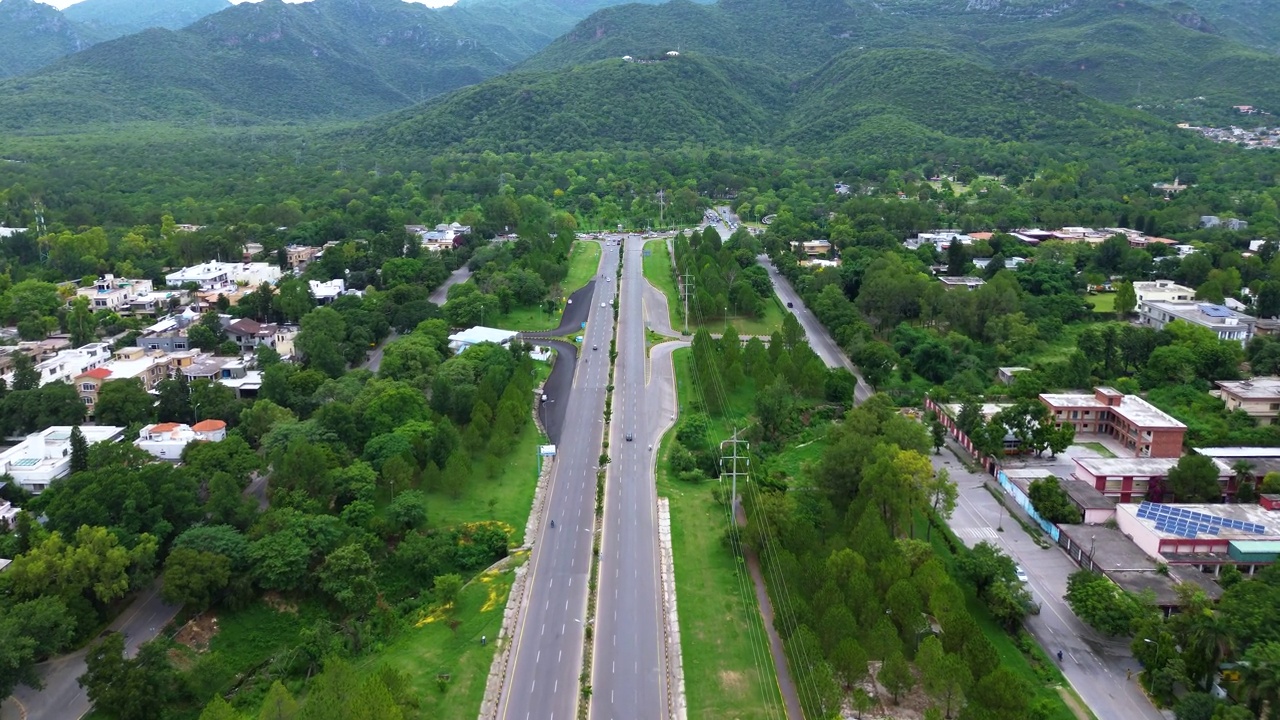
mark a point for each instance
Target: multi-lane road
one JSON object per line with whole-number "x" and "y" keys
{"x": 629, "y": 673}
{"x": 543, "y": 675}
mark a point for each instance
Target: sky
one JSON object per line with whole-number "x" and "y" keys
{"x": 61, "y": 4}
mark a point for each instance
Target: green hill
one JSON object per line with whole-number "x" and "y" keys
{"x": 611, "y": 103}
{"x": 861, "y": 104}
{"x": 33, "y": 34}
{"x": 1117, "y": 50}
{"x": 114, "y": 18}
{"x": 1252, "y": 22}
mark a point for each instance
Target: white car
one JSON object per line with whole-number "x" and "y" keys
{"x": 602, "y": 304}
{"x": 1021, "y": 574}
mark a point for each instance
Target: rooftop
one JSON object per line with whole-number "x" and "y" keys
{"x": 209, "y": 426}
{"x": 1135, "y": 466}
{"x": 1202, "y": 313}
{"x": 1133, "y": 408}
{"x": 1238, "y": 522}
{"x": 1086, "y": 495}
{"x": 1259, "y": 388}
{"x": 479, "y": 334}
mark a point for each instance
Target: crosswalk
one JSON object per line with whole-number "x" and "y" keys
{"x": 977, "y": 534}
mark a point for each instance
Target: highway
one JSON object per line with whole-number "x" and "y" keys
{"x": 543, "y": 678}
{"x": 629, "y": 672}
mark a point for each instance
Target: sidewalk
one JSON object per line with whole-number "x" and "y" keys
{"x": 786, "y": 685}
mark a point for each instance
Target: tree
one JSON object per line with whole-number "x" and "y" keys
{"x": 937, "y": 434}
{"x": 124, "y": 402}
{"x": 25, "y": 375}
{"x": 985, "y": 565}
{"x": 896, "y": 676}
{"x": 945, "y": 677}
{"x": 942, "y": 494}
{"x": 1102, "y": 605}
{"x": 1052, "y": 502}
{"x": 80, "y": 322}
{"x": 446, "y": 588}
{"x": 1126, "y": 299}
{"x": 29, "y": 632}
{"x": 141, "y": 688}
{"x": 876, "y": 360}
{"x": 320, "y": 340}
{"x": 194, "y": 577}
{"x": 79, "y": 451}
{"x": 849, "y": 662}
{"x": 1194, "y": 479}
{"x": 279, "y": 704}
{"x": 347, "y": 576}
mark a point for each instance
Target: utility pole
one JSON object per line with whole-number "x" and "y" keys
{"x": 662, "y": 207}
{"x": 686, "y": 287}
{"x": 729, "y": 465}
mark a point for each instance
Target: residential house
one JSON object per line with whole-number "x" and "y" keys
{"x": 961, "y": 283}
{"x": 326, "y": 292}
{"x": 249, "y": 334}
{"x": 814, "y": 248}
{"x": 45, "y": 456}
{"x": 1143, "y": 428}
{"x": 1006, "y": 374}
{"x": 298, "y": 256}
{"x": 441, "y": 237}
{"x": 65, "y": 365}
{"x": 166, "y": 441}
{"x": 1161, "y": 291}
{"x": 1259, "y": 397}
{"x": 232, "y": 372}
{"x": 148, "y": 367}
{"x": 1012, "y": 263}
{"x": 1226, "y": 323}
{"x": 283, "y": 342}
{"x": 157, "y": 302}
{"x": 939, "y": 239}
{"x": 114, "y": 294}
{"x": 251, "y": 251}
{"x": 225, "y": 277}
{"x": 8, "y": 514}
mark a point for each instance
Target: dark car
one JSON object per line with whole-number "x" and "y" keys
{"x": 790, "y": 305}
{"x": 629, "y": 437}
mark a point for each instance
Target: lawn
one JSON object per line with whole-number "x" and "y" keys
{"x": 728, "y": 671}
{"x": 524, "y": 319}
{"x": 1102, "y": 302}
{"x": 1099, "y": 448}
{"x": 657, "y": 270}
{"x": 432, "y": 648}
{"x": 584, "y": 263}
{"x": 510, "y": 487}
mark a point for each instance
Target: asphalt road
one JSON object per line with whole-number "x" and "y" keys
{"x": 629, "y": 673}
{"x": 1095, "y": 666}
{"x": 556, "y": 389}
{"x": 819, "y": 339}
{"x": 441, "y": 294}
{"x": 62, "y": 698}
{"x": 543, "y": 677}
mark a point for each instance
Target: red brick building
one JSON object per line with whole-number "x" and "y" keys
{"x": 1142, "y": 428}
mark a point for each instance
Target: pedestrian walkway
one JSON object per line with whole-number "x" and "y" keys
{"x": 790, "y": 698}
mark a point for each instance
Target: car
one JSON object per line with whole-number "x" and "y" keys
{"x": 595, "y": 347}
{"x": 1021, "y": 574}
{"x": 790, "y": 305}
{"x": 601, "y": 304}
{"x": 629, "y": 437}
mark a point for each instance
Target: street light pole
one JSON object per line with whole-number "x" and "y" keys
{"x": 1093, "y": 539}
{"x": 1000, "y": 522}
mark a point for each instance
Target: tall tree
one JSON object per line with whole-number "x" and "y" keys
{"x": 79, "y": 451}
{"x": 124, "y": 403}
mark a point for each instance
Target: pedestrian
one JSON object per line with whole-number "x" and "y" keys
{"x": 1059, "y": 656}
{"x": 1128, "y": 674}
{"x": 482, "y": 640}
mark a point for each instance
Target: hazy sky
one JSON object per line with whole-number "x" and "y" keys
{"x": 60, "y": 4}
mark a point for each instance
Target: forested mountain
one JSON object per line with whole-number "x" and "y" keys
{"x": 113, "y": 18}
{"x": 33, "y": 34}
{"x": 610, "y": 103}
{"x": 1117, "y": 50}
{"x": 262, "y": 61}
{"x": 867, "y": 103}
{"x": 1252, "y": 22}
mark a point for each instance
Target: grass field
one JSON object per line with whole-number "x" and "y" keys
{"x": 657, "y": 270}
{"x": 1102, "y": 302}
{"x": 727, "y": 667}
{"x": 584, "y": 262}
{"x": 432, "y": 648}
{"x": 525, "y": 319}
{"x": 1099, "y": 448}
{"x": 510, "y": 486}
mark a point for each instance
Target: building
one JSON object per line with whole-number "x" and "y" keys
{"x": 939, "y": 239}
{"x": 157, "y": 302}
{"x": 1226, "y": 323}
{"x": 166, "y": 441}
{"x": 1213, "y": 221}
{"x": 1127, "y": 480}
{"x": 6, "y": 232}
{"x": 66, "y": 365}
{"x": 297, "y": 256}
{"x": 1259, "y": 397}
{"x": 471, "y": 336}
{"x": 232, "y": 372}
{"x": 1144, "y": 429}
{"x": 45, "y": 456}
{"x": 1006, "y": 374}
{"x": 1161, "y": 291}
{"x": 441, "y": 237}
{"x": 114, "y": 294}
{"x": 148, "y": 367}
{"x": 8, "y": 513}
{"x": 326, "y": 292}
{"x": 1012, "y": 263}
{"x": 1205, "y": 537}
{"x": 249, "y": 334}
{"x": 283, "y": 342}
{"x": 1094, "y": 506}
{"x": 813, "y": 248}
{"x": 224, "y": 277}
{"x": 961, "y": 283}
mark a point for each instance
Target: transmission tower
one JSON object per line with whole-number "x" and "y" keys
{"x": 733, "y": 464}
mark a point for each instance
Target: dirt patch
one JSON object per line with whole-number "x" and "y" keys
{"x": 1073, "y": 702}
{"x": 276, "y": 602}
{"x": 197, "y": 632}
{"x": 732, "y": 682}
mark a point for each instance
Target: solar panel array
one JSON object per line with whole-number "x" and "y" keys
{"x": 1217, "y": 311}
{"x": 1189, "y": 523}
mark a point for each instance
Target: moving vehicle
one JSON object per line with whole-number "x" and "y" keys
{"x": 629, "y": 437}
{"x": 1020, "y": 574}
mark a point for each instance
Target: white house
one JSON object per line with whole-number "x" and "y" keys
{"x": 462, "y": 340}
{"x": 67, "y": 365}
{"x": 45, "y": 456}
{"x": 114, "y": 294}
{"x": 327, "y": 292}
{"x": 217, "y": 276}
{"x": 8, "y": 512}
{"x": 442, "y": 237}
{"x": 166, "y": 441}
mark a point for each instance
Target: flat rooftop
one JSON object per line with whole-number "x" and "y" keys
{"x": 1086, "y": 495}
{"x": 1177, "y": 521}
{"x": 1261, "y": 388}
{"x": 988, "y": 409}
{"x": 1131, "y": 407}
{"x": 1125, "y": 564}
{"x": 1136, "y": 466}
